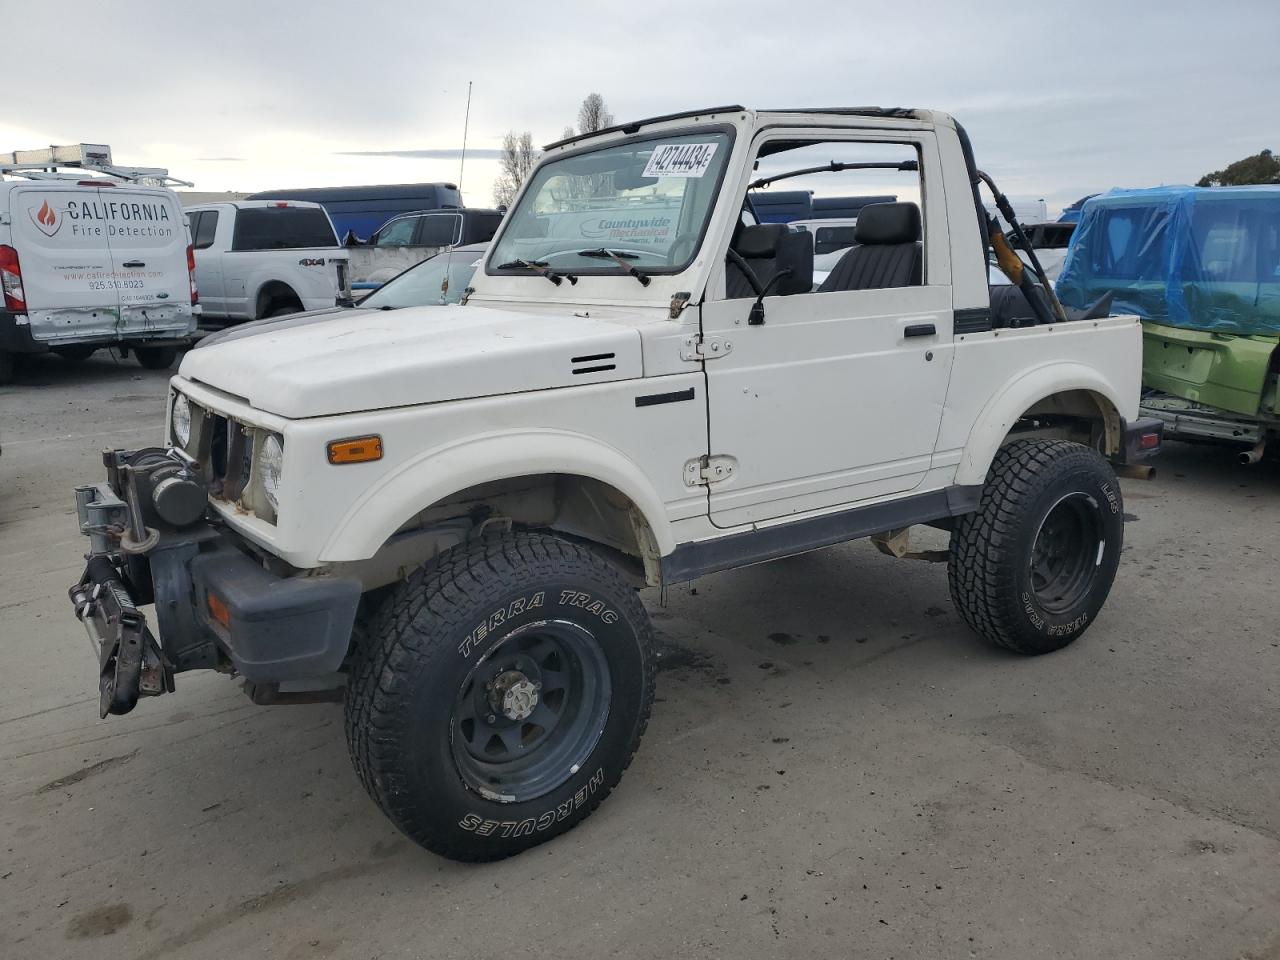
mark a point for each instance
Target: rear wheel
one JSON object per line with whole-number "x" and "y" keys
{"x": 283, "y": 310}
{"x": 6, "y": 367}
{"x": 1032, "y": 567}
{"x": 156, "y": 358}
{"x": 500, "y": 694}
{"x": 77, "y": 353}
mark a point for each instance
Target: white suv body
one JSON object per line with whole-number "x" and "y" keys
{"x": 260, "y": 258}
{"x": 450, "y": 508}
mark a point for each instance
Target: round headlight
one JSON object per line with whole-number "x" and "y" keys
{"x": 181, "y": 420}
{"x": 270, "y": 460}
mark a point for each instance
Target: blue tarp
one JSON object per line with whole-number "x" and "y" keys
{"x": 1204, "y": 258}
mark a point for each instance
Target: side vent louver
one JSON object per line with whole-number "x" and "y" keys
{"x": 595, "y": 363}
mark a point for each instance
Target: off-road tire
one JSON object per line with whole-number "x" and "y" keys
{"x": 990, "y": 570}
{"x": 156, "y": 358}
{"x": 428, "y": 639}
{"x": 282, "y": 310}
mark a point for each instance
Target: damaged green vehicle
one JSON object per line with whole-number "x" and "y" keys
{"x": 1201, "y": 266}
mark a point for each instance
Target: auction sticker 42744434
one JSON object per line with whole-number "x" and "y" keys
{"x": 680, "y": 159}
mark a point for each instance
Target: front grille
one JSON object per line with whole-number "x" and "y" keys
{"x": 223, "y": 451}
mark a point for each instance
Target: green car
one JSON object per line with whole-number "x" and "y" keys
{"x": 1201, "y": 266}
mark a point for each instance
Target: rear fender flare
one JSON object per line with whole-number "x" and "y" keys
{"x": 1003, "y": 410}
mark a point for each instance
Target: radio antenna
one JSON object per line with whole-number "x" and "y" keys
{"x": 462, "y": 168}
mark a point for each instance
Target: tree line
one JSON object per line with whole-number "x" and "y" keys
{"x": 520, "y": 156}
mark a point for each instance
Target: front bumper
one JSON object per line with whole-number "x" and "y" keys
{"x": 216, "y": 604}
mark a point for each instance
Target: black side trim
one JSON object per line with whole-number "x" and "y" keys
{"x": 692, "y": 560}
{"x": 594, "y": 356}
{"x": 596, "y": 369}
{"x": 654, "y": 399}
{"x": 972, "y": 320}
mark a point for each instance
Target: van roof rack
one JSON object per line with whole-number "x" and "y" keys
{"x": 69, "y": 163}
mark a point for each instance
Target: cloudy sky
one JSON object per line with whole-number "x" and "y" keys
{"x": 1060, "y": 99}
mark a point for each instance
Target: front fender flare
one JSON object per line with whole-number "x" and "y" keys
{"x": 438, "y": 473}
{"x": 1005, "y": 407}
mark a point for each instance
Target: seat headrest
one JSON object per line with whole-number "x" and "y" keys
{"x": 760, "y": 241}
{"x": 888, "y": 223}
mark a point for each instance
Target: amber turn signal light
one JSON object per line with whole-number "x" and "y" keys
{"x": 218, "y": 610}
{"x": 355, "y": 450}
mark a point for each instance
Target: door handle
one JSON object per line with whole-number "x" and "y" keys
{"x": 920, "y": 330}
{"x": 133, "y": 264}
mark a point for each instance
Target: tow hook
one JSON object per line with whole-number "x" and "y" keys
{"x": 130, "y": 661}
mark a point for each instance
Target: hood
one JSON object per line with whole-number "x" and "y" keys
{"x": 373, "y": 359}
{"x": 255, "y": 327}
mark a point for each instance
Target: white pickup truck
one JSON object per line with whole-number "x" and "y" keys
{"x": 90, "y": 261}
{"x": 266, "y": 258}
{"x": 445, "y": 515}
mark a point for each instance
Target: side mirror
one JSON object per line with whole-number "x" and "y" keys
{"x": 795, "y": 253}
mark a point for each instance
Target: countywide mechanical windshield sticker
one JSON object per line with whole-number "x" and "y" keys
{"x": 680, "y": 159}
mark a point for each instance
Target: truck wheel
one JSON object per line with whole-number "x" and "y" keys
{"x": 77, "y": 353}
{"x": 6, "y": 367}
{"x": 1032, "y": 567}
{"x": 502, "y": 692}
{"x": 156, "y": 358}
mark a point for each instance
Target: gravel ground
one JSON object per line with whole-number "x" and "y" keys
{"x": 835, "y": 765}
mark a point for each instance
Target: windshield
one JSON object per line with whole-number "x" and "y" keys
{"x": 647, "y": 199}
{"x": 420, "y": 285}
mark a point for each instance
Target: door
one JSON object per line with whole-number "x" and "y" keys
{"x": 210, "y": 283}
{"x": 148, "y": 237}
{"x": 838, "y": 396}
{"x": 67, "y": 271}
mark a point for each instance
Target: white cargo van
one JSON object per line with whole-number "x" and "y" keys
{"x": 89, "y": 263}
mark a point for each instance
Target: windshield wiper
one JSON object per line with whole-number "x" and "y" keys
{"x": 540, "y": 268}
{"x": 620, "y": 258}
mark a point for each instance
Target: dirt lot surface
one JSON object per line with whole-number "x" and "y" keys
{"x": 835, "y": 767}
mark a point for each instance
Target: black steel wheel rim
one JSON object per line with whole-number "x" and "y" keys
{"x": 1067, "y": 553}
{"x": 530, "y": 712}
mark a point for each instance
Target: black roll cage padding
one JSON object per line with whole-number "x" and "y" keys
{"x": 1006, "y": 210}
{"x": 834, "y": 167}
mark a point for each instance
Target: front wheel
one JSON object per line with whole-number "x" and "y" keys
{"x": 1031, "y": 568}
{"x": 500, "y": 694}
{"x": 156, "y": 358}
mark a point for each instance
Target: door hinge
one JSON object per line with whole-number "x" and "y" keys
{"x": 704, "y": 348}
{"x": 678, "y": 302}
{"x": 4, "y": 220}
{"x": 706, "y": 470}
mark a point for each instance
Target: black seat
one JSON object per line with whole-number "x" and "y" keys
{"x": 887, "y": 253}
{"x": 764, "y": 246}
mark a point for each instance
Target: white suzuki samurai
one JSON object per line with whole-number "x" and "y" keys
{"x": 444, "y": 513}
